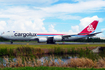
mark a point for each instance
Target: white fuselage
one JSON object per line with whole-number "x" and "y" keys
{"x": 17, "y": 35}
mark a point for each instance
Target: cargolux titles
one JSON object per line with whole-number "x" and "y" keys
{"x": 25, "y": 34}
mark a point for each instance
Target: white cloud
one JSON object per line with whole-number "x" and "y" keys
{"x": 85, "y": 0}
{"x": 102, "y": 38}
{"x": 100, "y": 35}
{"x": 29, "y": 2}
{"x": 2, "y": 25}
{"x": 66, "y": 17}
{"x": 103, "y": 29}
{"x": 16, "y": 13}
{"x": 80, "y": 7}
{"x": 60, "y": 11}
{"x": 51, "y": 28}
{"x": 28, "y": 25}
{"x": 103, "y": 33}
{"x": 18, "y": 18}
{"x": 75, "y": 28}
{"x": 23, "y": 18}
{"x": 87, "y": 20}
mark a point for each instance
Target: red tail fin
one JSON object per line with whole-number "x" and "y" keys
{"x": 90, "y": 28}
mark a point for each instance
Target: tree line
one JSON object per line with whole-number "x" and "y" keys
{"x": 79, "y": 40}
{"x": 90, "y": 40}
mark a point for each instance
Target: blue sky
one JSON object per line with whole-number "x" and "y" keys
{"x": 51, "y": 15}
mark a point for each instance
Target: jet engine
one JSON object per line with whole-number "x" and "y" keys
{"x": 57, "y": 38}
{"x": 40, "y": 40}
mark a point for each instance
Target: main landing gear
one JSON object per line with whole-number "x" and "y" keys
{"x": 50, "y": 42}
{"x": 11, "y": 42}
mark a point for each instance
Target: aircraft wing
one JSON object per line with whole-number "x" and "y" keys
{"x": 69, "y": 35}
{"x": 81, "y": 34}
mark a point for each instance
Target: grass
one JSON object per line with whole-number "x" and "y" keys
{"x": 9, "y": 46}
{"x": 49, "y": 68}
{"x": 32, "y": 50}
{"x": 83, "y": 53}
{"x": 79, "y": 52}
{"x": 35, "y": 50}
{"x": 25, "y": 50}
{"x": 72, "y": 63}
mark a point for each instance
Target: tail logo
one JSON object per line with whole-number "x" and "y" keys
{"x": 90, "y": 28}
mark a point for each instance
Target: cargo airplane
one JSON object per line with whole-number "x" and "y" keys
{"x": 50, "y": 38}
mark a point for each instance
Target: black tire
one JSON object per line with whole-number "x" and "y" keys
{"x": 50, "y": 42}
{"x": 11, "y": 42}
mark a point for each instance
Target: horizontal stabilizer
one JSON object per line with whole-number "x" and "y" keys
{"x": 94, "y": 34}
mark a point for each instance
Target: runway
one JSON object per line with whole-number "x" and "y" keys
{"x": 61, "y": 43}
{"x": 79, "y": 43}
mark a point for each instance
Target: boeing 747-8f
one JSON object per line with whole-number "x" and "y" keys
{"x": 50, "y": 37}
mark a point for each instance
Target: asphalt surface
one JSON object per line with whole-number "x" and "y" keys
{"x": 79, "y": 43}
{"x": 34, "y": 43}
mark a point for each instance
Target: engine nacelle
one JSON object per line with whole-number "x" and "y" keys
{"x": 57, "y": 38}
{"x": 40, "y": 40}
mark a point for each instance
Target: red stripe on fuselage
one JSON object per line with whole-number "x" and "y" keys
{"x": 51, "y": 34}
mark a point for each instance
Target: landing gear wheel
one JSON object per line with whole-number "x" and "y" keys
{"x": 50, "y": 42}
{"x": 11, "y": 42}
